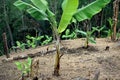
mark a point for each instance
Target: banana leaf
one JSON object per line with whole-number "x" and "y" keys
{"x": 41, "y": 4}
{"x": 91, "y": 9}
{"x": 82, "y": 32}
{"x": 19, "y": 65}
{"x": 32, "y": 10}
{"x": 70, "y": 7}
{"x": 37, "y": 14}
{"x": 21, "y": 5}
{"x": 91, "y": 39}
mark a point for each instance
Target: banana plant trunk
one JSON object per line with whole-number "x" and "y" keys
{"x": 86, "y": 43}
{"x": 57, "y": 58}
{"x": 57, "y": 38}
{"x": 98, "y": 34}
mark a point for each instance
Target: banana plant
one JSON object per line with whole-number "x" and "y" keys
{"x": 25, "y": 67}
{"x": 69, "y": 35}
{"x": 33, "y": 41}
{"x": 39, "y": 9}
{"x": 110, "y": 31}
{"x": 98, "y": 29}
{"x": 117, "y": 36}
{"x": 47, "y": 40}
{"x": 89, "y": 37}
{"x": 20, "y": 45}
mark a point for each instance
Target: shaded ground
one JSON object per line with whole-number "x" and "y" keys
{"x": 76, "y": 62}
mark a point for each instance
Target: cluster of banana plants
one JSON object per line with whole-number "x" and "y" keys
{"x": 33, "y": 41}
{"x": 39, "y": 9}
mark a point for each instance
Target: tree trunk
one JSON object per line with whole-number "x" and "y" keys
{"x": 5, "y": 45}
{"x": 115, "y": 18}
{"x": 7, "y": 24}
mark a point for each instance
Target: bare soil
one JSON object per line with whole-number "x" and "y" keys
{"x": 77, "y": 63}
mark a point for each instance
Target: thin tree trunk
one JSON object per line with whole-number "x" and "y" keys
{"x": 5, "y": 45}
{"x": 7, "y": 23}
{"x": 115, "y": 18}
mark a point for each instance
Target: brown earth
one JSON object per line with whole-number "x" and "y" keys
{"x": 75, "y": 64}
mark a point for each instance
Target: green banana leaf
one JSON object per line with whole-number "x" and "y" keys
{"x": 32, "y": 10}
{"x": 50, "y": 14}
{"x": 102, "y": 28}
{"x": 91, "y": 39}
{"x": 41, "y": 4}
{"x": 29, "y": 61}
{"x": 67, "y": 32}
{"x": 37, "y": 14}
{"x": 70, "y": 7}
{"x": 51, "y": 17}
{"x": 98, "y": 29}
{"x": 64, "y": 4}
{"x": 82, "y": 32}
{"x": 21, "y": 5}
{"x": 95, "y": 28}
{"x": 110, "y": 21}
{"x": 19, "y": 65}
{"x": 91, "y": 9}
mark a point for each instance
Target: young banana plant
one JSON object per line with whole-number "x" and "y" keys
{"x": 69, "y": 35}
{"x": 39, "y": 10}
{"x": 89, "y": 37}
{"x": 110, "y": 31}
{"x": 98, "y": 30}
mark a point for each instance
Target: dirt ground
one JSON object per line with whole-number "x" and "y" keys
{"x": 76, "y": 63}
